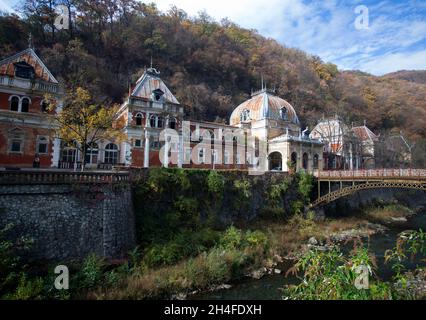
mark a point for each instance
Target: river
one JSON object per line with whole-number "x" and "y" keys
{"x": 268, "y": 287}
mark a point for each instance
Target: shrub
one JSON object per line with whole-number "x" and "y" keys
{"x": 243, "y": 188}
{"x": 232, "y": 238}
{"x": 163, "y": 254}
{"x": 256, "y": 238}
{"x": 11, "y": 264}
{"x": 305, "y": 185}
{"x": 215, "y": 183}
{"x": 331, "y": 276}
{"x": 297, "y": 207}
{"x": 28, "y": 289}
{"x": 91, "y": 273}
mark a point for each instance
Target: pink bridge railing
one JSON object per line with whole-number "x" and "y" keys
{"x": 374, "y": 173}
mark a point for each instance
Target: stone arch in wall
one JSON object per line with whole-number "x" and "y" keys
{"x": 305, "y": 161}
{"x": 276, "y": 161}
{"x": 293, "y": 160}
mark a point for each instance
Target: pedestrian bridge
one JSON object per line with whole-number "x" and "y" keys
{"x": 340, "y": 184}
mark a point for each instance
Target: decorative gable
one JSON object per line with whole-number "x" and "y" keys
{"x": 26, "y": 64}
{"x": 150, "y": 87}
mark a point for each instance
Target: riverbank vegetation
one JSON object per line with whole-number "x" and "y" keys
{"x": 234, "y": 226}
{"x": 332, "y": 274}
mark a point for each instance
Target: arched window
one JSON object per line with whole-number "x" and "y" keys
{"x": 25, "y": 105}
{"x": 92, "y": 153}
{"x": 44, "y": 106}
{"x": 275, "y": 161}
{"x": 139, "y": 118}
{"x": 160, "y": 122}
{"x": 284, "y": 114}
{"x": 153, "y": 121}
{"x": 245, "y": 115}
{"x": 305, "y": 161}
{"x": 316, "y": 161}
{"x": 111, "y": 154}
{"x": 172, "y": 123}
{"x": 14, "y": 104}
{"x": 156, "y": 121}
{"x": 294, "y": 160}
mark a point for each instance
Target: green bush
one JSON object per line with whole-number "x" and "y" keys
{"x": 331, "y": 276}
{"x": 297, "y": 207}
{"x": 236, "y": 239}
{"x": 215, "y": 183}
{"x": 166, "y": 254}
{"x": 232, "y": 238}
{"x": 91, "y": 273}
{"x": 185, "y": 244}
{"x": 12, "y": 266}
{"x": 305, "y": 185}
{"x": 28, "y": 289}
{"x": 256, "y": 238}
{"x": 244, "y": 188}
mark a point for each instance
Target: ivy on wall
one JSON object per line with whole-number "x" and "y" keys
{"x": 169, "y": 201}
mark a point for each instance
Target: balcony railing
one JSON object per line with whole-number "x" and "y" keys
{"x": 58, "y": 177}
{"x": 29, "y": 85}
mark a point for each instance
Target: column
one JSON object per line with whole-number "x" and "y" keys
{"x": 146, "y": 152}
{"x": 166, "y": 153}
{"x": 56, "y": 153}
{"x": 181, "y": 151}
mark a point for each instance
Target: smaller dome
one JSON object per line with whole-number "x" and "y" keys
{"x": 264, "y": 105}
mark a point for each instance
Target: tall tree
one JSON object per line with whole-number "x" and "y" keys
{"x": 83, "y": 124}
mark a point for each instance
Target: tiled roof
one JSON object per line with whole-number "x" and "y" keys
{"x": 148, "y": 83}
{"x": 364, "y": 134}
{"x": 264, "y": 105}
{"x": 7, "y": 67}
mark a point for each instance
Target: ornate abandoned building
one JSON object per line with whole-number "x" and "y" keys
{"x": 346, "y": 147}
{"x": 25, "y": 129}
{"x": 151, "y": 107}
{"x": 26, "y": 133}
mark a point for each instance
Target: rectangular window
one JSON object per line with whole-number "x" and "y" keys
{"x": 69, "y": 155}
{"x": 138, "y": 143}
{"x": 42, "y": 145}
{"x": 16, "y": 145}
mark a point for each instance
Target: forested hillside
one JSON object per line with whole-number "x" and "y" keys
{"x": 211, "y": 66}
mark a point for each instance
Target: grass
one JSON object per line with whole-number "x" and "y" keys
{"x": 385, "y": 213}
{"x": 214, "y": 267}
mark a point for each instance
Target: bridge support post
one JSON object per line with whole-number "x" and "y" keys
{"x": 329, "y": 186}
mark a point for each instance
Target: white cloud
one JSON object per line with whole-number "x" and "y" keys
{"x": 396, "y": 61}
{"x": 5, "y": 6}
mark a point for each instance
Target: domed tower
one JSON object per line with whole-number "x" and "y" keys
{"x": 267, "y": 115}
{"x": 272, "y": 119}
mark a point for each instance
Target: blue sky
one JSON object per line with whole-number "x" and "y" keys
{"x": 394, "y": 40}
